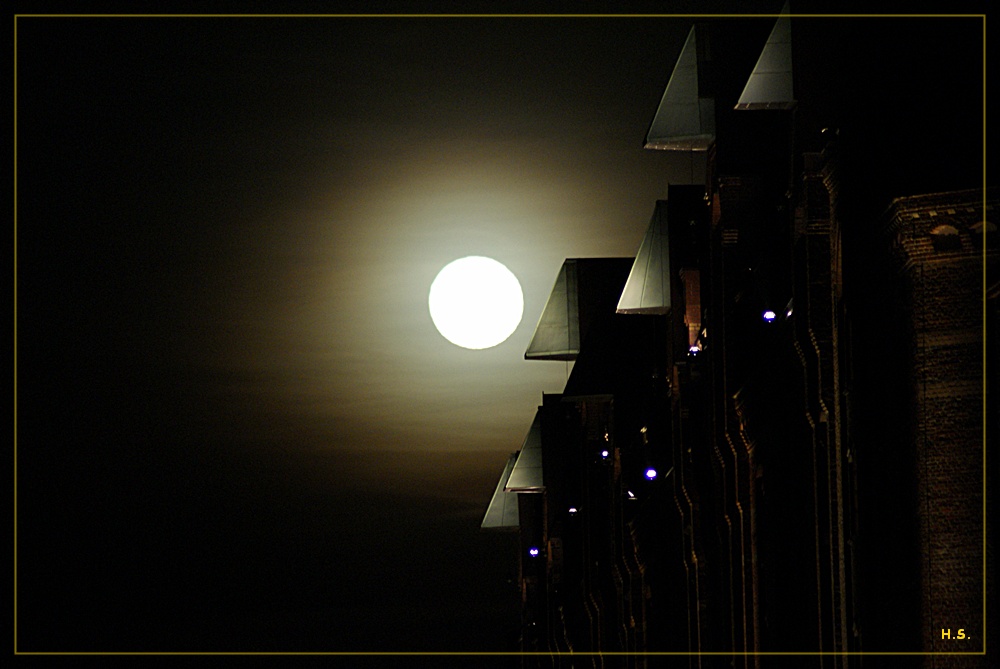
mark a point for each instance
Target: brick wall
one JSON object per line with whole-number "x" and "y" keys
{"x": 941, "y": 263}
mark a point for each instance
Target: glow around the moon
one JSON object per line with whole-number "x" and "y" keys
{"x": 476, "y": 302}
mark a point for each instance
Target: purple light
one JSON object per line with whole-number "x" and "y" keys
{"x": 533, "y": 552}
{"x": 769, "y": 315}
{"x": 694, "y": 350}
{"x": 651, "y": 473}
{"x": 604, "y": 454}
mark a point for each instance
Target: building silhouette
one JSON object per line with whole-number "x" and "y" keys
{"x": 748, "y": 458}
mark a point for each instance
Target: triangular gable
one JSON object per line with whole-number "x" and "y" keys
{"x": 683, "y": 121}
{"x": 557, "y": 335}
{"x": 526, "y": 476}
{"x": 502, "y": 512}
{"x": 770, "y": 84}
{"x": 647, "y": 290}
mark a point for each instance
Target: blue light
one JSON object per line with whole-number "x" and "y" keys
{"x": 533, "y": 552}
{"x": 769, "y": 316}
{"x": 651, "y": 473}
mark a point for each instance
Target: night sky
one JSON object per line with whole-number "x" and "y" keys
{"x": 237, "y": 428}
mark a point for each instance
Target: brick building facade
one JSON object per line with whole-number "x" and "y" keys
{"x": 945, "y": 252}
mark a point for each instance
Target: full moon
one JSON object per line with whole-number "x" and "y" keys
{"x": 475, "y": 302}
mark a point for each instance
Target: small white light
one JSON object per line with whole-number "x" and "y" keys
{"x": 631, "y": 495}
{"x": 572, "y": 509}
{"x": 694, "y": 350}
{"x": 533, "y": 552}
{"x": 789, "y": 314}
{"x": 651, "y": 473}
{"x": 769, "y": 315}
{"x": 605, "y": 454}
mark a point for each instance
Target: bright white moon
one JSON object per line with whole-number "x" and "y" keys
{"x": 476, "y": 302}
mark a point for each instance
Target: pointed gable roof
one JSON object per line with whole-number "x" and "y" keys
{"x": 502, "y": 513}
{"x": 683, "y": 121}
{"x": 770, "y": 84}
{"x": 647, "y": 290}
{"x": 557, "y": 335}
{"x": 586, "y": 289}
{"x": 526, "y": 476}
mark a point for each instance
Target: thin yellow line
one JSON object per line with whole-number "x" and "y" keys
{"x": 983, "y": 632}
{"x": 535, "y": 654}
{"x": 510, "y": 16}
{"x": 15, "y": 335}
